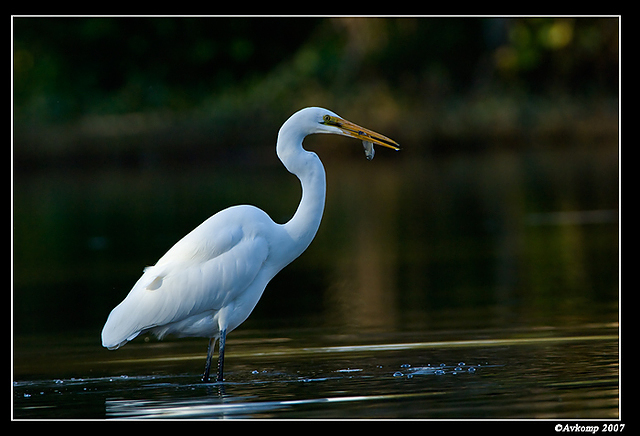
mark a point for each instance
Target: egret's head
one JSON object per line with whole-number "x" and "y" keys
{"x": 312, "y": 120}
{"x": 332, "y": 123}
{"x": 318, "y": 120}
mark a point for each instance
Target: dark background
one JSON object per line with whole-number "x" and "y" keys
{"x": 129, "y": 132}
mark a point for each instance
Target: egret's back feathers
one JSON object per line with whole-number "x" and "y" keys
{"x": 200, "y": 274}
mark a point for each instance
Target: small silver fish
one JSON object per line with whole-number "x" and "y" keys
{"x": 368, "y": 149}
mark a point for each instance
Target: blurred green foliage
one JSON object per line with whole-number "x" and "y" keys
{"x": 64, "y": 68}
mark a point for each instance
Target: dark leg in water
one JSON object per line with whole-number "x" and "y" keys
{"x": 207, "y": 367}
{"x": 223, "y": 340}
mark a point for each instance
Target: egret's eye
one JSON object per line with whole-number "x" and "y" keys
{"x": 331, "y": 121}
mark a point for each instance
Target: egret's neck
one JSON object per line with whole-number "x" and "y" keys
{"x": 307, "y": 167}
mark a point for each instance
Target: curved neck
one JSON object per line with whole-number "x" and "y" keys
{"x": 307, "y": 167}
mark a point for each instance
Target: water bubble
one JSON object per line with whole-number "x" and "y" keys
{"x": 461, "y": 364}
{"x": 405, "y": 365}
{"x": 471, "y": 369}
{"x": 255, "y": 371}
{"x": 443, "y": 364}
{"x": 27, "y": 395}
{"x": 398, "y": 374}
{"x": 439, "y": 372}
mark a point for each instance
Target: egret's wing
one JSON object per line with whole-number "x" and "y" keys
{"x": 201, "y": 273}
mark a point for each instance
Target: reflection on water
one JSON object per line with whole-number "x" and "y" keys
{"x": 533, "y": 235}
{"x": 485, "y": 260}
{"x": 549, "y": 373}
{"x": 206, "y": 408}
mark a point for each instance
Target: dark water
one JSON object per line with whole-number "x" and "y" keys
{"x": 466, "y": 286}
{"x": 539, "y": 373}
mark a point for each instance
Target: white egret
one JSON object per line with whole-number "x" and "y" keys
{"x": 208, "y": 283}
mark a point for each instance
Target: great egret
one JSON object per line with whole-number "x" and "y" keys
{"x": 208, "y": 283}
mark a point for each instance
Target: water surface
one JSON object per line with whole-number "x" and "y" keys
{"x": 461, "y": 286}
{"x": 552, "y": 373}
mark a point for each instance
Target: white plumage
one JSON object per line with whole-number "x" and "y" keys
{"x": 208, "y": 283}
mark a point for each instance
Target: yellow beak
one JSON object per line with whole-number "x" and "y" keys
{"x": 355, "y": 131}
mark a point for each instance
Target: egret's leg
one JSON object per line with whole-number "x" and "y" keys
{"x": 223, "y": 340}
{"x": 207, "y": 367}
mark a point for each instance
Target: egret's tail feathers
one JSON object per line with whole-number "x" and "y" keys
{"x": 134, "y": 314}
{"x": 119, "y": 329}
{"x": 112, "y": 339}
{"x": 110, "y": 344}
